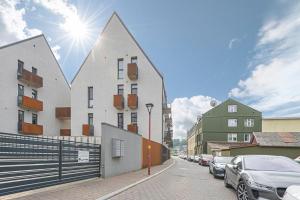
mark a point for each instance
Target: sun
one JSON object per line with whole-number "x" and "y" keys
{"x": 76, "y": 28}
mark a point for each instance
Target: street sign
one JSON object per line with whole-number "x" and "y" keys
{"x": 83, "y": 156}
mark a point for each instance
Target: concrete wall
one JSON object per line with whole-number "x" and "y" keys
{"x": 132, "y": 158}
{"x": 281, "y": 125}
{"x": 34, "y": 52}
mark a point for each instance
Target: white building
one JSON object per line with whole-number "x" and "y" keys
{"x": 113, "y": 85}
{"x": 33, "y": 86}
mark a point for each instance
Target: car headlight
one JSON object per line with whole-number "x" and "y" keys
{"x": 249, "y": 181}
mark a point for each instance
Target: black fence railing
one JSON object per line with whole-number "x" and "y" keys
{"x": 31, "y": 162}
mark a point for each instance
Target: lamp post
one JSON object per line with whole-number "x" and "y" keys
{"x": 149, "y": 108}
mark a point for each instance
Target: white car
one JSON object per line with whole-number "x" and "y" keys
{"x": 292, "y": 193}
{"x": 196, "y": 159}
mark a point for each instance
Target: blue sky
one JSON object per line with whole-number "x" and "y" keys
{"x": 206, "y": 49}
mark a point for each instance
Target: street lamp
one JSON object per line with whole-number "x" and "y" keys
{"x": 149, "y": 108}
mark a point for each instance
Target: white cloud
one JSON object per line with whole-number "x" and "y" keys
{"x": 55, "y": 50}
{"x": 232, "y": 42}
{"x": 274, "y": 83}
{"x": 13, "y": 27}
{"x": 185, "y": 111}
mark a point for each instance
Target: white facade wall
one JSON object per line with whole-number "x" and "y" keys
{"x": 100, "y": 71}
{"x": 34, "y": 52}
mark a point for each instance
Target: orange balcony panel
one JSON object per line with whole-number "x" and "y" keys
{"x": 65, "y": 132}
{"x": 63, "y": 112}
{"x": 132, "y": 71}
{"x": 30, "y": 79}
{"x": 31, "y": 129}
{"x": 119, "y": 101}
{"x": 132, "y": 101}
{"x": 132, "y": 128}
{"x": 30, "y": 103}
{"x": 87, "y": 130}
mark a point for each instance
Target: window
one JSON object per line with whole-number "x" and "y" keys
{"x": 134, "y": 118}
{"x": 120, "y": 68}
{"x": 34, "y": 70}
{"x": 232, "y": 108}
{"x": 134, "y": 59}
{"x": 34, "y": 118}
{"x": 247, "y": 137}
{"x": 34, "y": 94}
{"x": 134, "y": 89}
{"x": 249, "y": 122}
{"x": 20, "y": 90}
{"x": 90, "y": 97}
{"x": 232, "y": 122}
{"x": 20, "y": 66}
{"x": 90, "y": 119}
{"x": 120, "y": 120}
{"x": 232, "y": 137}
{"x": 20, "y": 119}
{"x": 120, "y": 89}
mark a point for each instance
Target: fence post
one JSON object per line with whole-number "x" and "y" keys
{"x": 100, "y": 161}
{"x": 60, "y": 160}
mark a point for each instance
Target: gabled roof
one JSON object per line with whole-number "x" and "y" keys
{"x": 34, "y": 37}
{"x": 276, "y": 139}
{"x": 116, "y": 15}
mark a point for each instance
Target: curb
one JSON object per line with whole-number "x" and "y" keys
{"x": 112, "y": 194}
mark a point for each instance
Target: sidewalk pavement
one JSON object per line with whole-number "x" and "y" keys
{"x": 86, "y": 190}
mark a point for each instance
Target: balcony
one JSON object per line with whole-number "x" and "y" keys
{"x": 168, "y": 121}
{"x": 65, "y": 132}
{"x": 30, "y": 103}
{"x": 119, "y": 101}
{"x": 63, "y": 112}
{"x": 87, "y": 130}
{"x": 30, "y": 129}
{"x": 132, "y": 101}
{"x": 132, "y": 128}
{"x": 29, "y": 78}
{"x": 132, "y": 71}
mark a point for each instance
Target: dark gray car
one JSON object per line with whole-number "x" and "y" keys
{"x": 217, "y": 165}
{"x": 261, "y": 176}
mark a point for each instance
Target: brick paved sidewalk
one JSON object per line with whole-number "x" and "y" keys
{"x": 86, "y": 190}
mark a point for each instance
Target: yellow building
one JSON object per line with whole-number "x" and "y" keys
{"x": 191, "y": 145}
{"x": 287, "y": 124}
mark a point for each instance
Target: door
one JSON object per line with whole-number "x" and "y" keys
{"x": 235, "y": 170}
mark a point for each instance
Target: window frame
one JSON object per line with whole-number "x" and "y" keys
{"x": 228, "y": 124}
{"x": 134, "y": 116}
{"x": 230, "y": 110}
{"x": 134, "y": 87}
{"x": 90, "y": 119}
{"x": 34, "y": 118}
{"x": 34, "y": 94}
{"x": 20, "y": 90}
{"x": 134, "y": 58}
{"x": 249, "y": 122}
{"x": 230, "y": 137}
{"x": 249, "y": 137}
{"x": 120, "y": 121}
{"x": 20, "y": 66}
{"x": 34, "y": 70}
{"x": 90, "y": 96}
{"x": 120, "y": 87}
{"x": 120, "y": 69}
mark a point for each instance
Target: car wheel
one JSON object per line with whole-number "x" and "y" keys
{"x": 226, "y": 181}
{"x": 241, "y": 191}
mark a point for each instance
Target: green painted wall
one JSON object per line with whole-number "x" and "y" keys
{"x": 215, "y": 122}
{"x": 279, "y": 151}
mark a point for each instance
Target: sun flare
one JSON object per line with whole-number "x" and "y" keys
{"x": 76, "y": 29}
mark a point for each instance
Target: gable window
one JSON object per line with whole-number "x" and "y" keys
{"x": 20, "y": 66}
{"x": 247, "y": 137}
{"x": 134, "y": 118}
{"x": 34, "y": 94}
{"x": 134, "y": 89}
{"x": 34, "y": 70}
{"x": 232, "y": 108}
{"x": 120, "y": 120}
{"x": 90, "y": 119}
{"x": 134, "y": 59}
{"x": 249, "y": 122}
{"x": 120, "y": 68}
{"x": 34, "y": 118}
{"x": 232, "y": 122}
{"x": 90, "y": 97}
{"x": 121, "y": 89}
{"x": 232, "y": 137}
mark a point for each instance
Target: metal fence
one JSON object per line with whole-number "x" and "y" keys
{"x": 30, "y": 162}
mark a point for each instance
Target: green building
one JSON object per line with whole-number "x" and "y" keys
{"x": 230, "y": 122}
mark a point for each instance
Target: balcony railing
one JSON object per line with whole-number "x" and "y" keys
{"x": 132, "y": 71}
{"x": 132, "y": 101}
{"x": 119, "y": 101}
{"x": 30, "y": 103}
{"x": 132, "y": 128}
{"x": 63, "y": 112}
{"x": 30, "y": 129}
{"x": 87, "y": 130}
{"x": 65, "y": 132}
{"x": 29, "y": 78}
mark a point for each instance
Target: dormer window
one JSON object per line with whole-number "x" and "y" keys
{"x": 232, "y": 108}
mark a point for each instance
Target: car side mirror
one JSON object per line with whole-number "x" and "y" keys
{"x": 235, "y": 167}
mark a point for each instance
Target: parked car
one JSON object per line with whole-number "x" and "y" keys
{"x": 292, "y": 193}
{"x": 298, "y": 159}
{"x": 196, "y": 159}
{"x": 217, "y": 165}
{"x": 261, "y": 176}
{"x": 205, "y": 159}
{"x": 191, "y": 158}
